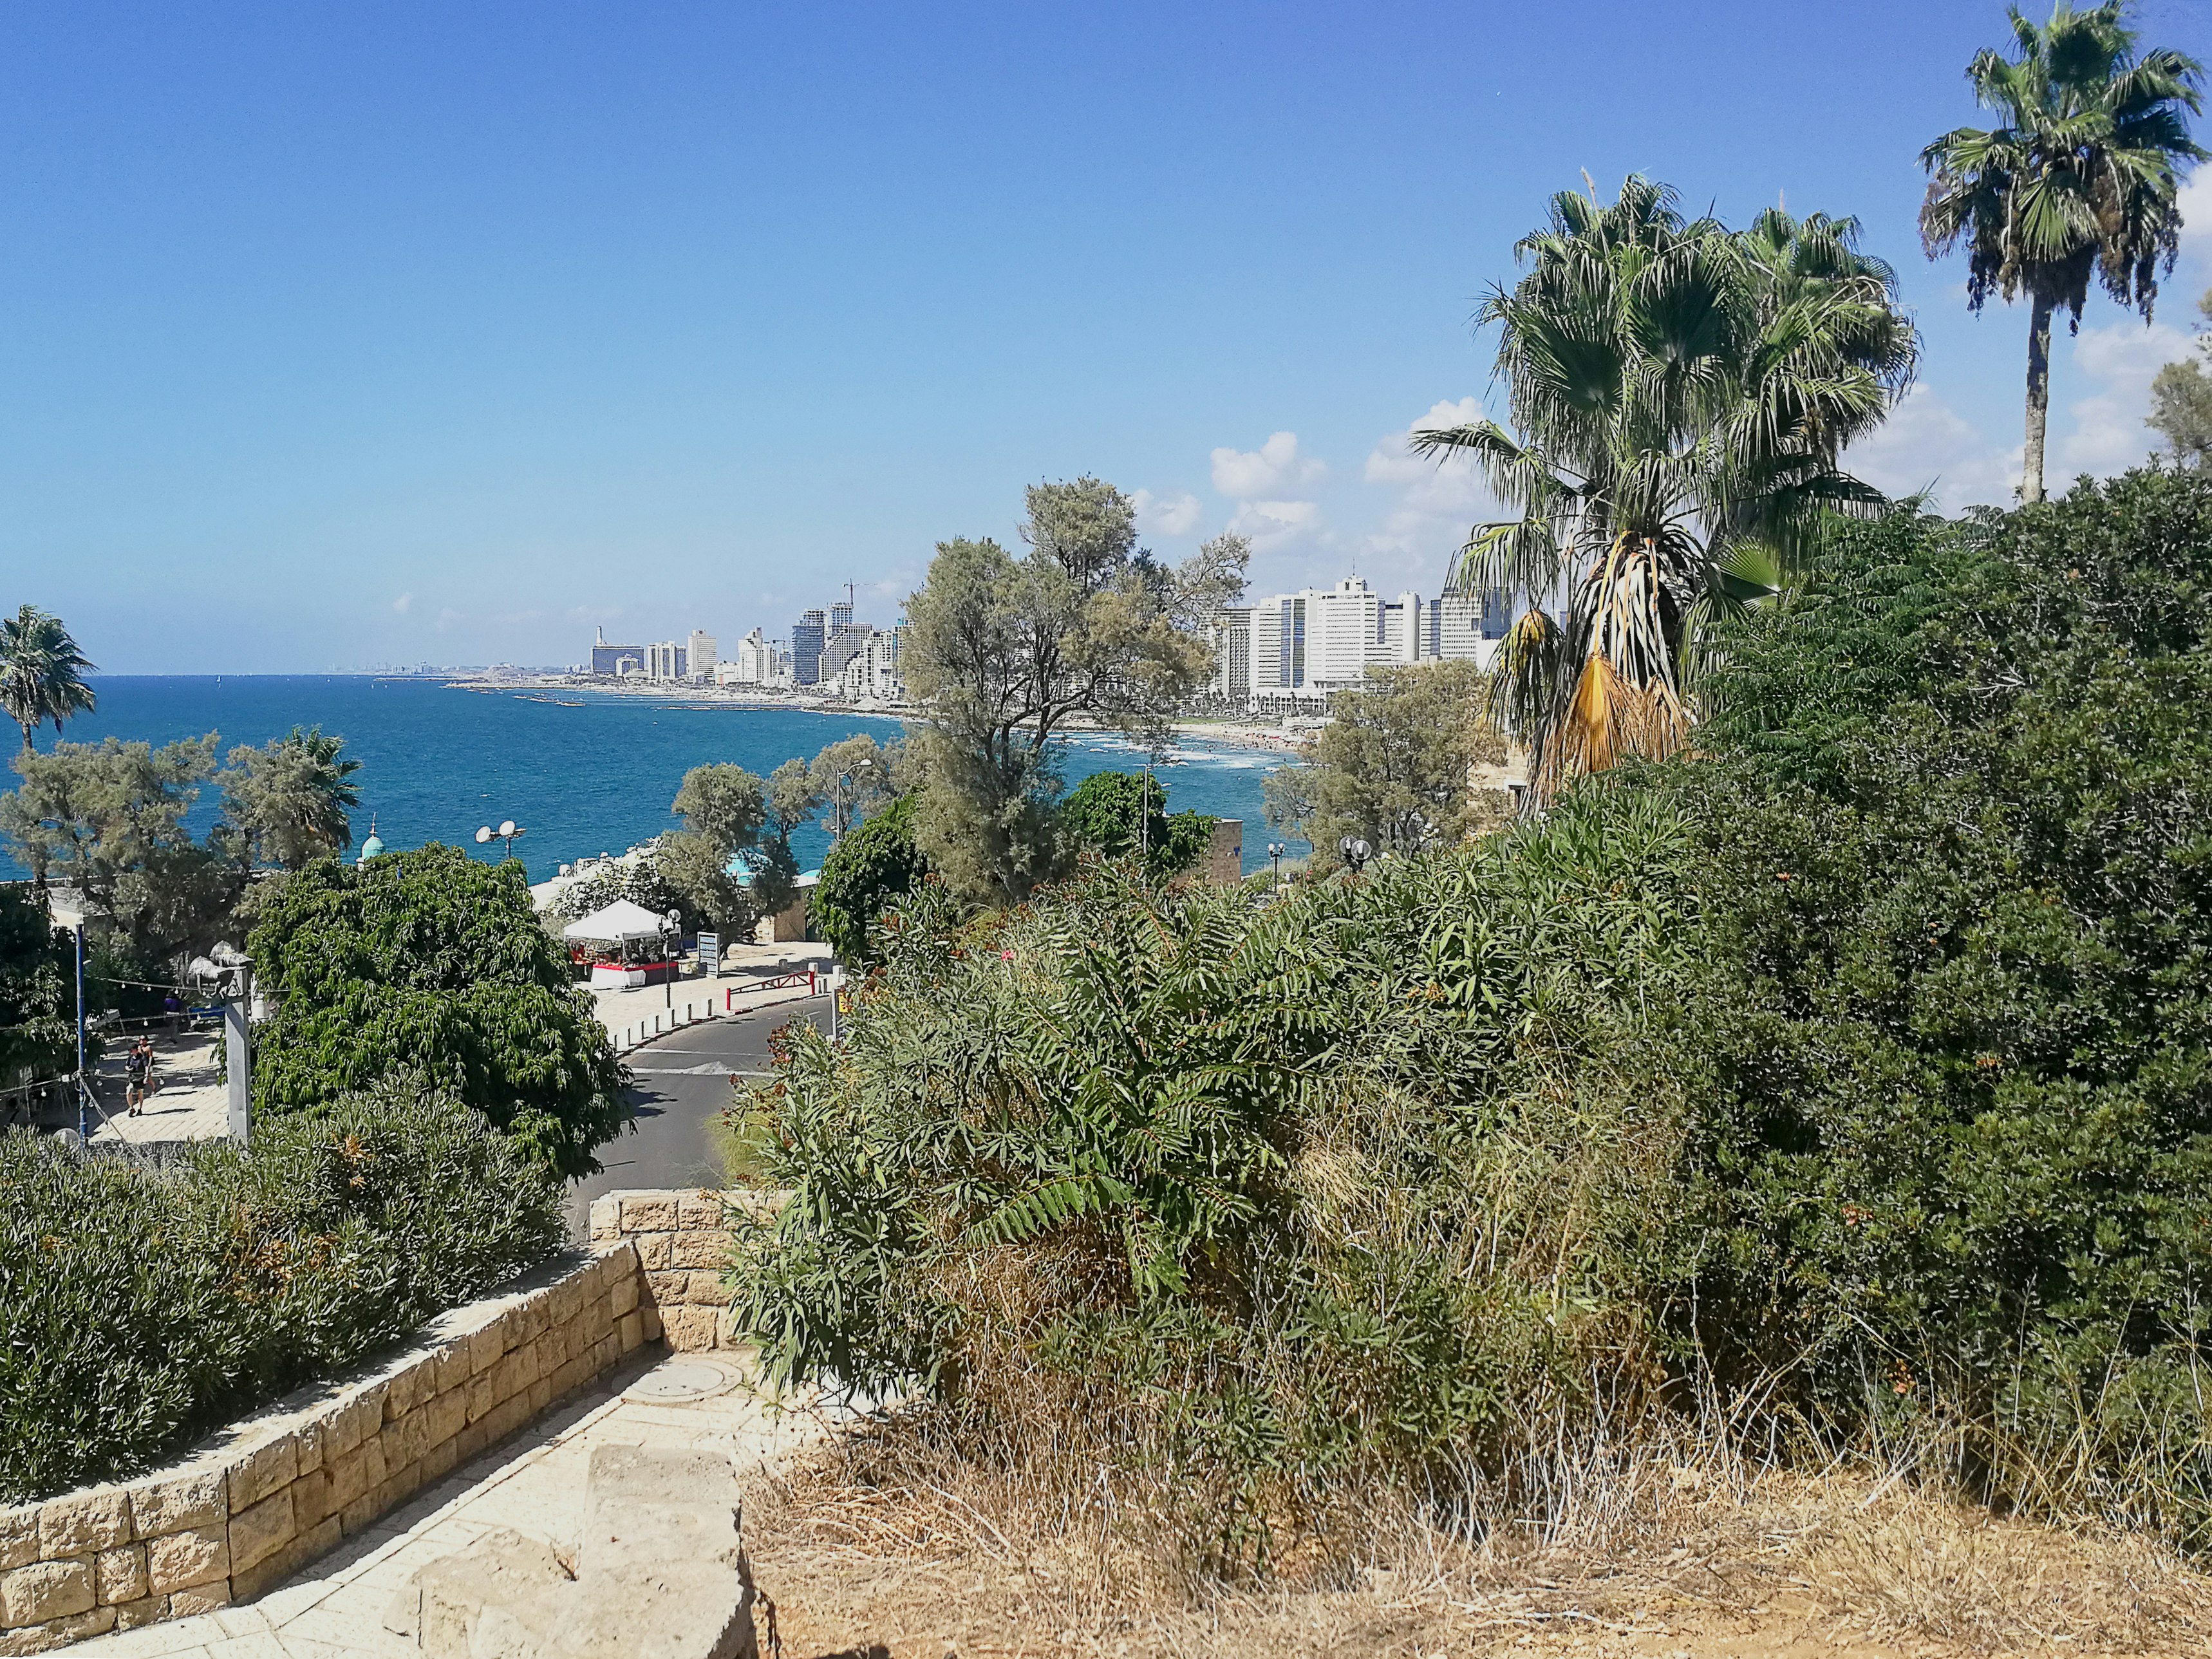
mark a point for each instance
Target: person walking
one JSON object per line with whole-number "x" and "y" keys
{"x": 136, "y": 1067}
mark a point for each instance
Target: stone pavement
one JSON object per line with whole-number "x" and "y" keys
{"x": 193, "y": 1104}
{"x": 533, "y": 1484}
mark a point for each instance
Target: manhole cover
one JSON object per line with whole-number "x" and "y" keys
{"x": 680, "y": 1379}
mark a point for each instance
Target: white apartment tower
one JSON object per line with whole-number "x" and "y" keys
{"x": 699, "y": 661}
{"x": 1305, "y": 646}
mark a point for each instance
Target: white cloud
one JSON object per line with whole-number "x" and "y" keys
{"x": 404, "y": 603}
{"x": 2196, "y": 203}
{"x": 1926, "y": 443}
{"x": 1276, "y": 465}
{"x": 1176, "y": 514}
{"x": 1437, "y": 501}
{"x": 1451, "y": 487}
{"x": 2121, "y": 359}
{"x": 1274, "y": 526}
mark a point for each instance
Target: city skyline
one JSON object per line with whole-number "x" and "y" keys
{"x": 444, "y": 336}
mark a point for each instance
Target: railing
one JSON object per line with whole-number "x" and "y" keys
{"x": 678, "y": 1015}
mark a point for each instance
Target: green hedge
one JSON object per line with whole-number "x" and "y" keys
{"x": 141, "y": 1308}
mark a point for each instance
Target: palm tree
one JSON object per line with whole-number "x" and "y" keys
{"x": 288, "y": 800}
{"x": 1679, "y": 395}
{"x": 41, "y": 671}
{"x": 2082, "y": 179}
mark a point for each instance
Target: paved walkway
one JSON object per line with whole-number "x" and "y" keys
{"x": 533, "y": 1484}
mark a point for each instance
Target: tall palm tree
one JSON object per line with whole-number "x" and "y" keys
{"x": 288, "y": 800}
{"x": 1679, "y": 395}
{"x": 2080, "y": 179}
{"x": 41, "y": 671}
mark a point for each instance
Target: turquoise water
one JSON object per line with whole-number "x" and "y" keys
{"x": 438, "y": 762}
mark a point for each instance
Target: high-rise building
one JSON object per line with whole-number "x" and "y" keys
{"x": 615, "y": 659}
{"x": 756, "y": 663}
{"x": 1232, "y": 647}
{"x": 663, "y": 661}
{"x": 1304, "y": 646}
{"x": 848, "y": 642}
{"x": 808, "y": 636}
{"x": 873, "y": 671}
{"x": 699, "y": 657}
{"x": 841, "y": 617}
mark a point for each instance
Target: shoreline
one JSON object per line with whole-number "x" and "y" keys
{"x": 1252, "y": 735}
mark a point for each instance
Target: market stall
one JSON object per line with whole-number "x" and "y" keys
{"x": 628, "y": 945}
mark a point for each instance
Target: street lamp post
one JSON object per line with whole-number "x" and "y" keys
{"x": 508, "y": 831}
{"x": 1354, "y": 851}
{"x": 1275, "y": 860}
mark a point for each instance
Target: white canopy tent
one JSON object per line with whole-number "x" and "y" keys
{"x": 621, "y": 923}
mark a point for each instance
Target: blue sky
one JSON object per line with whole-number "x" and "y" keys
{"x": 343, "y": 335}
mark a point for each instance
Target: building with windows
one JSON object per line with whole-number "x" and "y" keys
{"x": 665, "y": 661}
{"x": 699, "y": 657}
{"x": 872, "y": 671}
{"x": 755, "y": 664}
{"x": 1305, "y": 647}
{"x": 841, "y": 617}
{"x": 615, "y": 659}
{"x": 1232, "y": 656}
{"x": 848, "y": 642}
{"x": 808, "y": 636}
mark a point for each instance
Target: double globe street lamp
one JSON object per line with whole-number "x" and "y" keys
{"x": 508, "y": 831}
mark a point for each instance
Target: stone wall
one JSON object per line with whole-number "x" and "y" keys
{"x": 682, "y": 1244}
{"x": 274, "y": 1491}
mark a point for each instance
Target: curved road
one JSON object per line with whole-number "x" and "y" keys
{"x": 682, "y": 1081}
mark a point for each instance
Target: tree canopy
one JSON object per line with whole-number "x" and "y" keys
{"x": 2082, "y": 179}
{"x": 1004, "y": 652}
{"x": 1394, "y": 766}
{"x": 1124, "y": 815}
{"x": 432, "y": 965}
{"x": 1680, "y": 393}
{"x": 41, "y": 671}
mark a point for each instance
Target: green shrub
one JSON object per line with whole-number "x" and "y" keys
{"x": 140, "y": 1308}
{"x": 872, "y": 864}
{"x": 433, "y": 964}
{"x": 1116, "y": 815}
{"x": 1855, "y": 1073}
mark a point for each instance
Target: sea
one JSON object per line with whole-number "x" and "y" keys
{"x": 591, "y": 773}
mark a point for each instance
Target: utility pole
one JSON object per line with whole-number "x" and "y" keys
{"x": 238, "y": 1052}
{"x": 83, "y": 1087}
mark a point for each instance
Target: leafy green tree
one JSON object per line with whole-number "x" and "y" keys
{"x": 1679, "y": 394}
{"x": 878, "y": 862}
{"x": 2181, "y": 401}
{"x": 1003, "y": 652}
{"x": 851, "y": 778}
{"x": 41, "y": 671}
{"x": 288, "y": 800}
{"x": 431, "y": 965}
{"x": 37, "y": 1000}
{"x": 2082, "y": 179}
{"x": 1124, "y": 815}
{"x": 1396, "y": 765}
{"x": 108, "y": 818}
{"x": 725, "y": 809}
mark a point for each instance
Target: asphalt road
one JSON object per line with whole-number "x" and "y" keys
{"x": 684, "y": 1080}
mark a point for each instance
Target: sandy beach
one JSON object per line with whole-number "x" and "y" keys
{"x": 1236, "y": 734}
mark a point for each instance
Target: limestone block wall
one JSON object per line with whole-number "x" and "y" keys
{"x": 274, "y": 1491}
{"x": 682, "y": 1239}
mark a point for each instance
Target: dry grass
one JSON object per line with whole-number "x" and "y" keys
{"x": 1662, "y": 1549}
